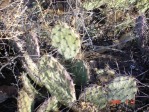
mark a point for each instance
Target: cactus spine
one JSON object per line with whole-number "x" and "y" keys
{"x": 27, "y": 86}
{"x": 26, "y": 95}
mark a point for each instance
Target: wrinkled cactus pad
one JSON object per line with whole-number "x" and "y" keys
{"x": 50, "y": 104}
{"x": 122, "y": 88}
{"x": 66, "y": 40}
{"x": 80, "y": 72}
{"x": 57, "y": 80}
{"x": 27, "y": 86}
{"x": 25, "y": 101}
{"x": 95, "y": 95}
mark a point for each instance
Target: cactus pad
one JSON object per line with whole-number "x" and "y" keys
{"x": 122, "y": 88}
{"x": 79, "y": 71}
{"x": 95, "y": 95}
{"x": 27, "y": 86}
{"x": 25, "y": 101}
{"x": 51, "y": 104}
{"x": 66, "y": 40}
{"x": 57, "y": 80}
{"x": 32, "y": 69}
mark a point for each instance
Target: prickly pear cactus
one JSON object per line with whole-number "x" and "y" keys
{"x": 49, "y": 105}
{"x": 26, "y": 95}
{"x": 95, "y": 95}
{"x": 27, "y": 86}
{"x": 57, "y": 80}
{"x": 122, "y": 88}
{"x": 25, "y": 101}
{"x": 80, "y": 72}
{"x": 33, "y": 69}
{"x": 66, "y": 40}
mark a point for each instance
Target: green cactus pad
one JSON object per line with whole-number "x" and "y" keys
{"x": 122, "y": 88}
{"x": 26, "y": 95}
{"x": 32, "y": 69}
{"x": 80, "y": 72}
{"x": 95, "y": 95}
{"x": 49, "y": 105}
{"x": 57, "y": 80}
{"x": 25, "y": 101}
{"x": 66, "y": 40}
{"x": 27, "y": 86}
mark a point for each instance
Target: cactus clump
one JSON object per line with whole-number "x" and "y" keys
{"x": 95, "y": 95}
{"x": 66, "y": 40}
{"x": 33, "y": 69}
{"x": 122, "y": 88}
{"x": 57, "y": 80}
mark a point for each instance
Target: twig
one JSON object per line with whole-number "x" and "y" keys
{"x": 141, "y": 108}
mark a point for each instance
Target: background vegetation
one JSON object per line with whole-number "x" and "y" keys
{"x": 53, "y": 53}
